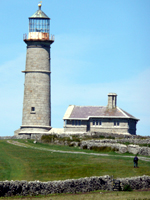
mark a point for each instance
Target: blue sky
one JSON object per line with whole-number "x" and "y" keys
{"x": 100, "y": 46}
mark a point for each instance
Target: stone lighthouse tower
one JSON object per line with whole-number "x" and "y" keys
{"x": 36, "y": 116}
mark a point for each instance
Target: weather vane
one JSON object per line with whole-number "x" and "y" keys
{"x": 40, "y": 3}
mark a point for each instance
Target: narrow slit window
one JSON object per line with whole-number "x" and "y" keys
{"x": 32, "y": 109}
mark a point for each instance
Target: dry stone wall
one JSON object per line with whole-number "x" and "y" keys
{"x": 24, "y": 188}
{"x": 136, "y": 183}
{"x": 32, "y": 188}
{"x": 134, "y": 149}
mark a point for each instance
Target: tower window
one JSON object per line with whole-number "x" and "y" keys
{"x": 32, "y": 109}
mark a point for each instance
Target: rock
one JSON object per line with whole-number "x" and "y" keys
{"x": 123, "y": 148}
{"x": 74, "y": 144}
{"x": 144, "y": 151}
{"x": 133, "y": 149}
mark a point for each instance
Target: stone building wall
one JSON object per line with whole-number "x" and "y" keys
{"x": 106, "y": 126}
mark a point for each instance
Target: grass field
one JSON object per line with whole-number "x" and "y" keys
{"x": 19, "y": 163}
{"x": 103, "y": 195}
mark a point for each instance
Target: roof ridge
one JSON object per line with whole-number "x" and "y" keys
{"x": 122, "y": 112}
{"x": 89, "y": 106}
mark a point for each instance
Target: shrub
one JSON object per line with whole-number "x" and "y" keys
{"x": 71, "y": 145}
{"x": 101, "y": 137}
{"x": 85, "y": 147}
{"x": 110, "y": 137}
{"x": 105, "y": 149}
{"x": 75, "y": 138}
{"x": 127, "y": 188}
{"x": 48, "y": 138}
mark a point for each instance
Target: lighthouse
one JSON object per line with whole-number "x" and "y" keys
{"x": 36, "y": 115}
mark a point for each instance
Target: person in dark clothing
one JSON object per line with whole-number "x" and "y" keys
{"x": 135, "y": 160}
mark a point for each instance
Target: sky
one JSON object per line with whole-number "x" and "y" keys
{"x": 100, "y": 46}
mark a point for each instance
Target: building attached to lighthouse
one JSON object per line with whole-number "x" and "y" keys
{"x": 36, "y": 117}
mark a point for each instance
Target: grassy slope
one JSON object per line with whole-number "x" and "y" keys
{"x": 18, "y": 163}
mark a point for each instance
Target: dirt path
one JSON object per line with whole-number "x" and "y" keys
{"x": 70, "y": 152}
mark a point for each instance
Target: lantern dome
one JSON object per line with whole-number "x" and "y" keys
{"x": 39, "y": 13}
{"x": 39, "y": 25}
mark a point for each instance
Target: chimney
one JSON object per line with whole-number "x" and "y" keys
{"x": 112, "y": 100}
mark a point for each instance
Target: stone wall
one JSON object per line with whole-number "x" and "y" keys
{"x": 136, "y": 183}
{"x": 24, "y": 188}
{"x": 32, "y": 188}
{"x": 23, "y": 136}
{"x": 134, "y": 141}
{"x": 134, "y": 149}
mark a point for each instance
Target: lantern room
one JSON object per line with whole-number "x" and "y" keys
{"x": 39, "y": 25}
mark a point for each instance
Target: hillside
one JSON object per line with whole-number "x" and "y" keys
{"x": 28, "y": 161}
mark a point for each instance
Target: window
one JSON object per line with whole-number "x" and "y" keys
{"x": 97, "y": 122}
{"x": 116, "y": 123}
{"x": 32, "y": 109}
{"x": 76, "y": 122}
{"x": 39, "y": 25}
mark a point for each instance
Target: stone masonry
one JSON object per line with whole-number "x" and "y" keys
{"x": 36, "y": 104}
{"x": 36, "y": 117}
{"x": 32, "y": 188}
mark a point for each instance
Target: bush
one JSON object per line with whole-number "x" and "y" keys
{"x": 48, "y": 138}
{"x": 75, "y": 138}
{"x": 110, "y": 137}
{"x": 85, "y": 147}
{"x": 105, "y": 149}
{"x": 127, "y": 188}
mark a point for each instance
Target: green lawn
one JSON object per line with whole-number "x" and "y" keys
{"x": 19, "y": 163}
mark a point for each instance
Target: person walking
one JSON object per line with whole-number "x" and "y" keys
{"x": 135, "y": 160}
